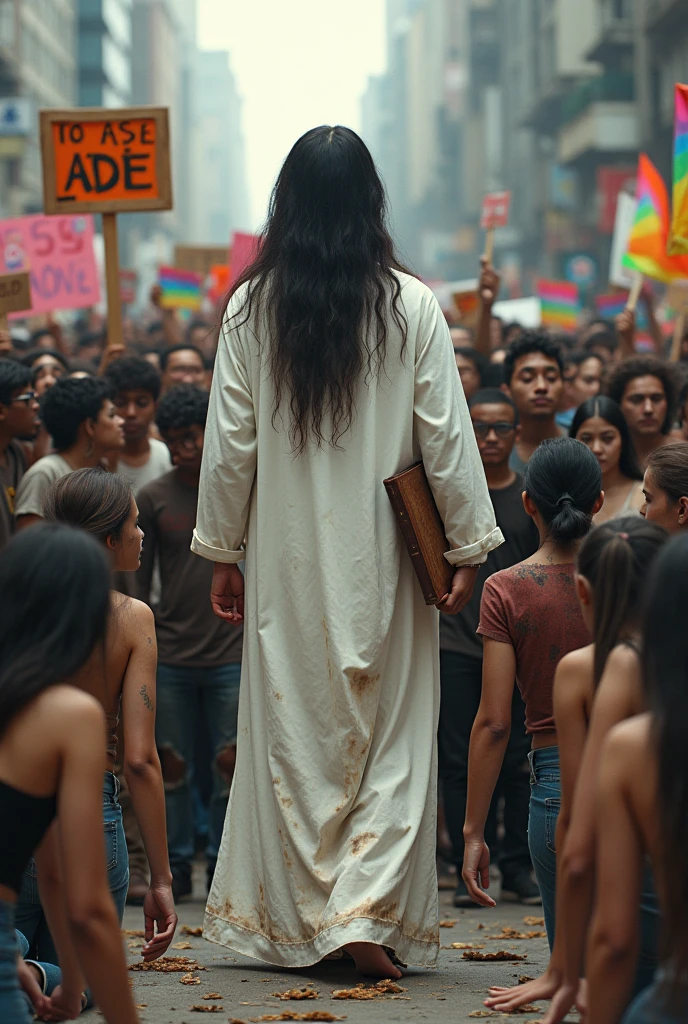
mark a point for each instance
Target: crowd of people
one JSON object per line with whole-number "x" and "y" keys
{"x": 135, "y": 477}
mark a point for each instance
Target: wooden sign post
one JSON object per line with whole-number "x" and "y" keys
{"x": 15, "y": 295}
{"x": 107, "y": 161}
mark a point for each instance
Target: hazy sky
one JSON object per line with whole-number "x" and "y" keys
{"x": 299, "y": 63}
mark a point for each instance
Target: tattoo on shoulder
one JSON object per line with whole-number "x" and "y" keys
{"x": 146, "y": 699}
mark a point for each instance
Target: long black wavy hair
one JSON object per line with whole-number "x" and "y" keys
{"x": 324, "y": 275}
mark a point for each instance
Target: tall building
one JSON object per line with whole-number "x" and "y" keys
{"x": 37, "y": 64}
{"x": 220, "y": 204}
{"x": 104, "y": 49}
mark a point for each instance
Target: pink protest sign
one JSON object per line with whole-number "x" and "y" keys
{"x": 495, "y": 212}
{"x": 243, "y": 252}
{"x": 58, "y": 254}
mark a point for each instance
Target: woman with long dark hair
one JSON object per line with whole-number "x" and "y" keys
{"x": 600, "y": 424}
{"x": 641, "y": 809}
{"x": 335, "y": 370}
{"x": 529, "y": 619}
{"x": 594, "y": 688}
{"x": 55, "y": 583}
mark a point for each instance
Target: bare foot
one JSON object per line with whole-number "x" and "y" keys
{"x": 372, "y": 961}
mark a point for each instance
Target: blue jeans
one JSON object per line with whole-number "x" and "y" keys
{"x": 545, "y": 801}
{"x": 13, "y": 1005}
{"x": 52, "y": 975}
{"x": 652, "y": 1007}
{"x": 182, "y": 695}
{"x": 31, "y": 921}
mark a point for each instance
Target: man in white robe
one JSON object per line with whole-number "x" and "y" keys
{"x": 330, "y": 831}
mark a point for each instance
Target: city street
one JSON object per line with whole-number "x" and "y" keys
{"x": 245, "y": 989}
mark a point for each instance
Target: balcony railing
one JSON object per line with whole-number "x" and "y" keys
{"x": 613, "y": 86}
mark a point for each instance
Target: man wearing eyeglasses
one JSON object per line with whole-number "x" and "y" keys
{"x": 495, "y": 422}
{"x": 19, "y": 421}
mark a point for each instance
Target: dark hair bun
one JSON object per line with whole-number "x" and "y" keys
{"x": 564, "y": 480}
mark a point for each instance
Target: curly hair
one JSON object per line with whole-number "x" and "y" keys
{"x": 69, "y": 403}
{"x": 133, "y": 373}
{"x": 527, "y": 342}
{"x": 646, "y": 366}
{"x": 182, "y": 406}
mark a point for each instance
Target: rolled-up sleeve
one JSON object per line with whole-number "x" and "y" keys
{"x": 448, "y": 446}
{"x": 229, "y": 454}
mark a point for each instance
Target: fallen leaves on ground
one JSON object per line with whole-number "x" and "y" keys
{"x": 306, "y": 992}
{"x": 361, "y": 991}
{"x": 513, "y": 933}
{"x": 134, "y": 933}
{"x": 467, "y": 945}
{"x": 449, "y": 923}
{"x": 496, "y": 1013}
{"x": 182, "y": 945}
{"x": 189, "y": 979}
{"x": 322, "y": 1015}
{"x": 212, "y": 995}
{"x": 534, "y": 922}
{"x": 213, "y": 1008}
{"x": 169, "y": 965}
{"x": 501, "y": 954}
{"x": 186, "y": 930}
{"x": 524, "y": 978}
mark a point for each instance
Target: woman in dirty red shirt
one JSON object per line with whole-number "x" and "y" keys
{"x": 529, "y": 619}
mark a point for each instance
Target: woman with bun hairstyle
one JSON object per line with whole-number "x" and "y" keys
{"x": 529, "y": 619}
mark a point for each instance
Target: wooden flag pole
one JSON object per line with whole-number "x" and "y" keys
{"x": 115, "y": 332}
{"x": 636, "y": 289}
{"x": 4, "y": 322}
{"x": 679, "y": 329}
{"x": 489, "y": 244}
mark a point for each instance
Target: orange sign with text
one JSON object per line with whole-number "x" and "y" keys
{"x": 106, "y": 161}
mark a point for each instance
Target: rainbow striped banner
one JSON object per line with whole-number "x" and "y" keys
{"x": 613, "y": 304}
{"x": 559, "y": 303}
{"x": 678, "y": 236}
{"x": 181, "y": 289}
{"x": 647, "y": 242}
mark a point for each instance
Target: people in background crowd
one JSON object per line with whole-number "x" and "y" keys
{"x": 19, "y": 421}
{"x": 665, "y": 487}
{"x": 600, "y": 424}
{"x": 182, "y": 364}
{"x": 533, "y": 369}
{"x": 136, "y": 389}
{"x": 646, "y": 389}
{"x": 472, "y": 367}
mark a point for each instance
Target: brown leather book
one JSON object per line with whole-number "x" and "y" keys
{"x": 423, "y": 531}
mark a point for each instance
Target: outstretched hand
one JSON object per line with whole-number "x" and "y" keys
{"x": 227, "y": 592}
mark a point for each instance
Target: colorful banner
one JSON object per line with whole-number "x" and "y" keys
{"x": 612, "y": 305}
{"x": 678, "y": 237}
{"x": 495, "y": 211}
{"x": 218, "y": 282}
{"x": 244, "y": 250}
{"x": 58, "y": 254}
{"x": 181, "y": 289}
{"x": 647, "y": 242}
{"x": 559, "y": 304}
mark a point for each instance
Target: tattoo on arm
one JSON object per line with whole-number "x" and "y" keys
{"x": 146, "y": 699}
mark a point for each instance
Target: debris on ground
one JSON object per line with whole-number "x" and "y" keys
{"x": 534, "y": 922}
{"x": 189, "y": 979}
{"x": 212, "y": 995}
{"x": 321, "y": 1015}
{"x": 449, "y": 923}
{"x": 523, "y": 979}
{"x": 466, "y": 945}
{"x": 361, "y": 991}
{"x": 213, "y": 1008}
{"x": 514, "y": 933}
{"x": 182, "y": 945}
{"x": 186, "y": 930}
{"x": 169, "y": 965}
{"x": 134, "y": 933}
{"x": 501, "y": 954}
{"x": 306, "y": 992}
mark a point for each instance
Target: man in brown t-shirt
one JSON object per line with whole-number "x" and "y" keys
{"x": 199, "y": 655}
{"x": 19, "y": 421}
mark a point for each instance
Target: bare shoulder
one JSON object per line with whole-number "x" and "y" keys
{"x": 624, "y": 658}
{"x": 132, "y": 615}
{"x": 630, "y": 738}
{"x": 69, "y": 706}
{"x": 575, "y": 672}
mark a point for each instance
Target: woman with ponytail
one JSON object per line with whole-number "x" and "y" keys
{"x": 529, "y": 619}
{"x": 641, "y": 809}
{"x": 594, "y": 688}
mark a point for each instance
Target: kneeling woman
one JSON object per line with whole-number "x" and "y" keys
{"x": 102, "y": 504}
{"x": 55, "y": 583}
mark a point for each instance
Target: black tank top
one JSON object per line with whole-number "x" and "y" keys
{"x": 25, "y": 819}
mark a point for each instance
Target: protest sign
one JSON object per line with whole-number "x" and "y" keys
{"x": 219, "y": 282}
{"x": 495, "y": 214}
{"x": 57, "y": 252}
{"x": 466, "y": 304}
{"x": 128, "y": 284}
{"x": 200, "y": 259}
{"x": 559, "y": 303}
{"x": 619, "y": 275}
{"x": 15, "y": 294}
{"x": 106, "y": 161}
{"x": 245, "y": 248}
{"x": 181, "y": 289}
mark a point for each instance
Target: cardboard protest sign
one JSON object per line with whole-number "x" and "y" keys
{"x": 466, "y": 304}
{"x": 57, "y": 252}
{"x": 495, "y": 211}
{"x": 200, "y": 258}
{"x": 106, "y": 161}
{"x": 15, "y": 293}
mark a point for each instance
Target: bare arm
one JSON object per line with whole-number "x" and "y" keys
{"x": 144, "y": 777}
{"x": 625, "y": 329}
{"x": 91, "y": 913}
{"x": 614, "y": 937}
{"x": 617, "y": 698}
{"x": 489, "y": 739}
{"x": 488, "y": 290}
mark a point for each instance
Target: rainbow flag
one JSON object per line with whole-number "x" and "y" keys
{"x": 611, "y": 305}
{"x": 678, "y": 236}
{"x": 559, "y": 304}
{"x": 181, "y": 289}
{"x": 647, "y": 242}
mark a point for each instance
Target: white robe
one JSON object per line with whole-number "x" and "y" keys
{"x": 330, "y": 831}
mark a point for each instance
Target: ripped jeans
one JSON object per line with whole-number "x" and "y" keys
{"x": 183, "y": 694}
